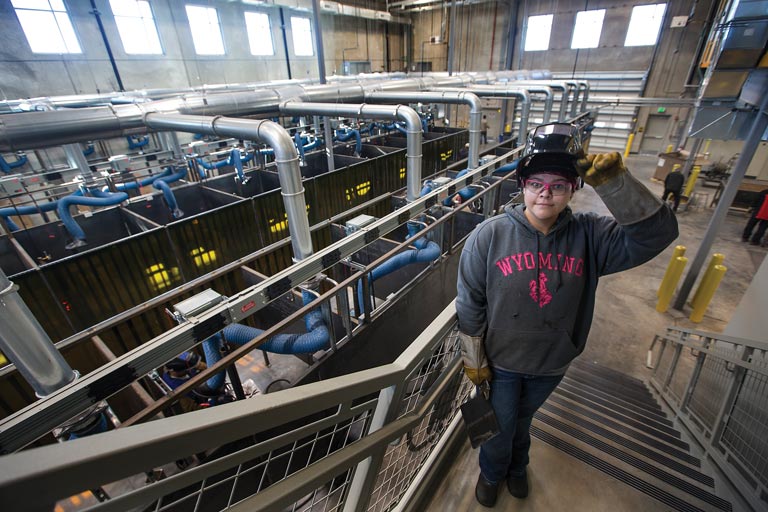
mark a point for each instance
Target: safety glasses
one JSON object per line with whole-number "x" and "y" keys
{"x": 558, "y": 188}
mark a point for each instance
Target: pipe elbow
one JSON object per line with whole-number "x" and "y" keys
{"x": 409, "y": 116}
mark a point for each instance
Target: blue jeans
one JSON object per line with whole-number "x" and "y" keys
{"x": 515, "y": 397}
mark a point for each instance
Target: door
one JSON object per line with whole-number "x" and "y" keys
{"x": 655, "y": 134}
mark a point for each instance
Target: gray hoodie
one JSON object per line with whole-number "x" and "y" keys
{"x": 532, "y": 296}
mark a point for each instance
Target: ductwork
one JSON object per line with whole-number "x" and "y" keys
{"x": 496, "y": 91}
{"x": 286, "y": 159}
{"x": 463, "y": 97}
{"x": 364, "y": 111}
{"x": 34, "y": 130}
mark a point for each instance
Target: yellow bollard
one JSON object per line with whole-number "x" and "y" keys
{"x": 668, "y": 288}
{"x": 629, "y": 144}
{"x": 669, "y": 148}
{"x": 679, "y": 251}
{"x": 706, "y": 146}
{"x": 692, "y": 180}
{"x": 717, "y": 259}
{"x": 709, "y": 287}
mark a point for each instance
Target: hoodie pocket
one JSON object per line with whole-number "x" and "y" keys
{"x": 534, "y": 352}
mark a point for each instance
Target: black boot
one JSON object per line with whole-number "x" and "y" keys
{"x": 486, "y": 492}
{"x": 518, "y": 486}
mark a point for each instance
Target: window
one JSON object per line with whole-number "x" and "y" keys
{"x": 136, "y": 27}
{"x": 538, "y": 32}
{"x": 586, "y": 31}
{"x": 47, "y": 26}
{"x": 302, "y": 36}
{"x": 206, "y": 32}
{"x": 644, "y": 25}
{"x": 259, "y": 33}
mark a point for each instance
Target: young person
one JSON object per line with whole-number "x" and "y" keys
{"x": 527, "y": 281}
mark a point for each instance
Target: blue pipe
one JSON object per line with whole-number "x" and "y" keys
{"x": 6, "y": 212}
{"x": 316, "y": 338}
{"x": 6, "y": 166}
{"x": 345, "y": 135}
{"x": 162, "y": 184}
{"x": 101, "y": 199}
{"x": 136, "y": 142}
{"x": 300, "y": 146}
{"x": 425, "y": 251}
{"x": 135, "y": 185}
{"x": 89, "y": 150}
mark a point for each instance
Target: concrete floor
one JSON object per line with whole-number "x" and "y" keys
{"x": 624, "y": 326}
{"x": 625, "y": 314}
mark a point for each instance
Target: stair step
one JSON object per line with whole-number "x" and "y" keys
{"x": 618, "y": 423}
{"x": 593, "y": 422}
{"x": 639, "y": 392}
{"x": 703, "y": 502}
{"x": 661, "y": 459}
{"x": 615, "y": 411}
{"x": 609, "y": 373}
{"x": 651, "y": 409}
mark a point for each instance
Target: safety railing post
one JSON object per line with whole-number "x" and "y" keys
{"x": 368, "y": 470}
{"x": 672, "y": 368}
{"x": 721, "y": 420}
{"x": 700, "y": 358}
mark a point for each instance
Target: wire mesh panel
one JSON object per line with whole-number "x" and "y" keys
{"x": 682, "y": 375}
{"x": 240, "y": 470}
{"x": 744, "y": 433}
{"x": 403, "y": 460}
{"x": 666, "y": 352}
{"x": 707, "y": 396}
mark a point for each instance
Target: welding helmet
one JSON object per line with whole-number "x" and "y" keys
{"x": 554, "y": 148}
{"x": 185, "y": 361}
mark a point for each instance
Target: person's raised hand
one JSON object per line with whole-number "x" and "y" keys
{"x": 599, "y": 169}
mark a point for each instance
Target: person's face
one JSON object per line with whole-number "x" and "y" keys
{"x": 546, "y": 195}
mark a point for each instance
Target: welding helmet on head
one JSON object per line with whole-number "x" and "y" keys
{"x": 553, "y": 147}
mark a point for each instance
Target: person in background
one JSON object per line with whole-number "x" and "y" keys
{"x": 758, "y": 218}
{"x": 484, "y": 131}
{"x": 673, "y": 184}
{"x": 464, "y": 152}
{"x": 527, "y": 282}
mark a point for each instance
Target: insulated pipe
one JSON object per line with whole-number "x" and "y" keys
{"x": 464, "y": 97}
{"x": 363, "y": 111}
{"x": 286, "y": 158}
{"x": 27, "y": 345}
{"x": 495, "y": 91}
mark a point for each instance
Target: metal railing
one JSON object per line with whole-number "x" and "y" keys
{"x": 353, "y": 442}
{"x": 718, "y": 387}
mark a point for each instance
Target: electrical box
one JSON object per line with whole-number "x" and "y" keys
{"x": 10, "y": 186}
{"x": 196, "y": 304}
{"x": 119, "y": 163}
{"x": 358, "y": 223}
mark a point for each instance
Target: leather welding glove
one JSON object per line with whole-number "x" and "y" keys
{"x": 475, "y": 363}
{"x": 628, "y": 200}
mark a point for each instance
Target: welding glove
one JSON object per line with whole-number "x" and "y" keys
{"x": 475, "y": 363}
{"x": 628, "y": 200}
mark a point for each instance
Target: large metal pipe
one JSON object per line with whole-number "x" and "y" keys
{"x": 286, "y": 158}
{"x": 558, "y": 85}
{"x": 574, "y": 85}
{"x": 498, "y": 91}
{"x": 34, "y": 130}
{"x": 27, "y": 345}
{"x": 585, "y": 96}
{"x": 461, "y": 98}
{"x": 364, "y": 111}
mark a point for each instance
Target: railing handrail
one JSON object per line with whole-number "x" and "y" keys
{"x": 90, "y": 462}
{"x": 757, "y": 344}
{"x": 734, "y": 358}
